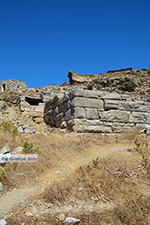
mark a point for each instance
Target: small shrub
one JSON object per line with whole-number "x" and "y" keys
{"x": 11, "y": 128}
{"x": 3, "y": 175}
{"x": 29, "y": 147}
{"x": 137, "y": 143}
{"x": 95, "y": 161}
{"x": 116, "y": 139}
{"x": 8, "y": 167}
{"x": 129, "y": 135}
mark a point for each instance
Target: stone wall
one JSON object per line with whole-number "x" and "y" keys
{"x": 96, "y": 111}
{"x": 13, "y": 85}
{"x": 32, "y": 107}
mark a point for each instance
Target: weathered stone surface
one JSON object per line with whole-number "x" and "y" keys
{"x": 68, "y": 115}
{"x": 56, "y": 97}
{"x": 39, "y": 107}
{"x": 140, "y": 126}
{"x": 13, "y": 85}
{"x": 133, "y": 106}
{"x": 111, "y": 104}
{"x": 87, "y": 102}
{"x": 58, "y": 123}
{"x": 38, "y": 119}
{"x": 114, "y": 115}
{"x": 59, "y": 116}
{"x": 5, "y": 150}
{"x": 92, "y": 113}
{"x": 35, "y": 114}
{"x": 92, "y": 94}
{"x": 63, "y": 107}
{"x": 76, "y": 93}
{"x": 20, "y": 130}
{"x": 29, "y": 130}
{"x": 78, "y": 112}
{"x": 93, "y": 122}
{"x": 113, "y": 96}
{"x": 128, "y": 106}
{"x": 18, "y": 149}
{"x": 71, "y": 220}
{"x": 138, "y": 117}
{"x": 63, "y": 99}
{"x": 93, "y": 129}
{"x": 124, "y": 97}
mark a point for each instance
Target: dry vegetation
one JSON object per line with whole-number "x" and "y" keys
{"x": 119, "y": 181}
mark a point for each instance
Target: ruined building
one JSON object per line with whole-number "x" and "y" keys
{"x": 13, "y": 85}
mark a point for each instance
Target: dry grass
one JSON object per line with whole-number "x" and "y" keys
{"x": 119, "y": 179}
{"x": 53, "y": 149}
{"x": 115, "y": 179}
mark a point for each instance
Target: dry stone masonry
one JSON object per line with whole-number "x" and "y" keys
{"x": 13, "y": 85}
{"x": 87, "y": 111}
{"x": 32, "y": 107}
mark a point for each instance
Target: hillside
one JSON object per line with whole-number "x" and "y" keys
{"x": 94, "y": 178}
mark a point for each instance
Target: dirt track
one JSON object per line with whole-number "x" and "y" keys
{"x": 67, "y": 167}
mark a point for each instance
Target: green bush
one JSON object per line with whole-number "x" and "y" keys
{"x": 7, "y": 168}
{"x": 29, "y": 147}
{"x": 11, "y": 128}
{"x": 3, "y": 175}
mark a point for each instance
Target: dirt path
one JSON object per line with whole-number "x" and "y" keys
{"x": 65, "y": 168}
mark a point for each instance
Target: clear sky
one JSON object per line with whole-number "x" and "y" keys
{"x": 41, "y": 40}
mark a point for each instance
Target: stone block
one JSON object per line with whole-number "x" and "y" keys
{"x": 38, "y": 119}
{"x": 92, "y": 113}
{"x": 94, "y": 122}
{"x": 63, "y": 99}
{"x": 78, "y": 112}
{"x": 111, "y": 96}
{"x": 111, "y": 104}
{"x": 29, "y": 130}
{"x": 63, "y": 107}
{"x": 114, "y": 116}
{"x": 133, "y": 107}
{"x": 76, "y": 93}
{"x": 68, "y": 115}
{"x": 72, "y": 122}
{"x": 91, "y": 94}
{"x": 139, "y": 117}
{"x": 140, "y": 126}
{"x": 35, "y": 114}
{"x": 87, "y": 102}
{"x": 59, "y": 116}
{"x": 93, "y": 129}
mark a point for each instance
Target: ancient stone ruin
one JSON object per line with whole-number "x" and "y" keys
{"x": 32, "y": 107}
{"x": 116, "y": 101}
{"x": 13, "y": 85}
{"x": 96, "y": 111}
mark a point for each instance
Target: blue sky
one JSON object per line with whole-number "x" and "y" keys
{"x": 41, "y": 40}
